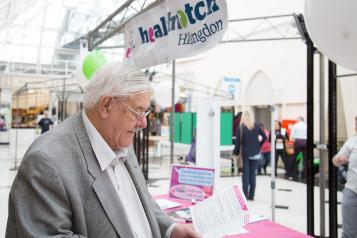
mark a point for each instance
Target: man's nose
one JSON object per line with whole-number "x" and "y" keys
{"x": 142, "y": 123}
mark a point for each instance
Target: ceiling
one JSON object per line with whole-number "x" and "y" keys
{"x": 43, "y": 36}
{"x": 47, "y": 31}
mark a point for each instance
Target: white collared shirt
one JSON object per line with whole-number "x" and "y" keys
{"x": 349, "y": 150}
{"x": 299, "y": 131}
{"x": 114, "y": 167}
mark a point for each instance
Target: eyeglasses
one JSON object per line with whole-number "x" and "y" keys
{"x": 138, "y": 115}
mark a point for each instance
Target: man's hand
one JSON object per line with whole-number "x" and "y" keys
{"x": 184, "y": 231}
{"x": 339, "y": 160}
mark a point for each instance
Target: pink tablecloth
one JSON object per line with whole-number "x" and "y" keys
{"x": 266, "y": 228}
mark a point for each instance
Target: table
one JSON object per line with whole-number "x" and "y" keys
{"x": 265, "y": 228}
{"x": 269, "y": 229}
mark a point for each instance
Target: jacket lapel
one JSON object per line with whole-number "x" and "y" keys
{"x": 112, "y": 206}
{"x": 141, "y": 189}
{"x": 102, "y": 186}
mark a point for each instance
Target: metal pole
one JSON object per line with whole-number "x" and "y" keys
{"x": 272, "y": 134}
{"x": 172, "y": 121}
{"x": 66, "y": 100}
{"x": 332, "y": 138}
{"x": 16, "y": 133}
{"x": 308, "y": 161}
{"x": 63, "y": 100}
{"x": 322, "y": 147}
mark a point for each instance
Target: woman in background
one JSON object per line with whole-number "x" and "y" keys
{"x": 265, "y": 151}
{"x": 280, "y": 142}
{"x": 249, "y": 143}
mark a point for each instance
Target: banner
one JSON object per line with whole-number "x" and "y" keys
{"x": 174, "y": 29}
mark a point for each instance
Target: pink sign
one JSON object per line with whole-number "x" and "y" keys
{"x": 190, "y": 183}
{"x": 240, "y": 198}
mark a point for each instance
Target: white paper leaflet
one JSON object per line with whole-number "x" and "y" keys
{"x": 221, "y": 214}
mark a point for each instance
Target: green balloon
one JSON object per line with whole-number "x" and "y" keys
{"x": 92, "y": 62}
{"x": 316, "y": 162}
{"x": 183, "y": 18}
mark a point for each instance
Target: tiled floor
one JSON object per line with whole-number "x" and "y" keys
{"x": 294, "y": 200}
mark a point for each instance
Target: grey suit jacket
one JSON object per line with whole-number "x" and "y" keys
{"x": 60, "y": 190}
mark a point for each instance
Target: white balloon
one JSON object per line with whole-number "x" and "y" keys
{"x": 332, "y": 26}
{"x": 162, "y": 93}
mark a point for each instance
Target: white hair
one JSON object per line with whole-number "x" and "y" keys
{"x": 300, "y": 118}
{"x": 115, "y": 79}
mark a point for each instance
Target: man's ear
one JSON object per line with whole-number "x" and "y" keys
{"x": 105, "y": 106}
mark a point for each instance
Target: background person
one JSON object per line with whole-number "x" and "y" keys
{"x": 3, "y": 126}
{"x": 250, "y": 151}
{"x": 191, "y": 157}
{"x": 265, "y": 152}
{"x": 45, "y": 123}
{"x": 299, "y": 135}
{"x": 348, "y": 155}
{"x": 280, "y": 148}
{"x": 236, "y": 122}
{"x": 82, "y": 178}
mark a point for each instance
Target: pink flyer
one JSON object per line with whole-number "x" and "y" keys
{"x": 191, "y": 183}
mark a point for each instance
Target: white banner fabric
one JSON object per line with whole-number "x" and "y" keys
{"x": 174, "y": 29}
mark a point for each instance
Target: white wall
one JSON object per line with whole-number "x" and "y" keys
{"x": 283, "y": 62}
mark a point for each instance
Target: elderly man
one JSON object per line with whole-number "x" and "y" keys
{"x": 82, "y": 178}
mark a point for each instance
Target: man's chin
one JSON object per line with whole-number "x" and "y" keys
{"x": 125, "y": 144}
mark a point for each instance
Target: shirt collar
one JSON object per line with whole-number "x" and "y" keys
{"x": 105, "y": 155}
